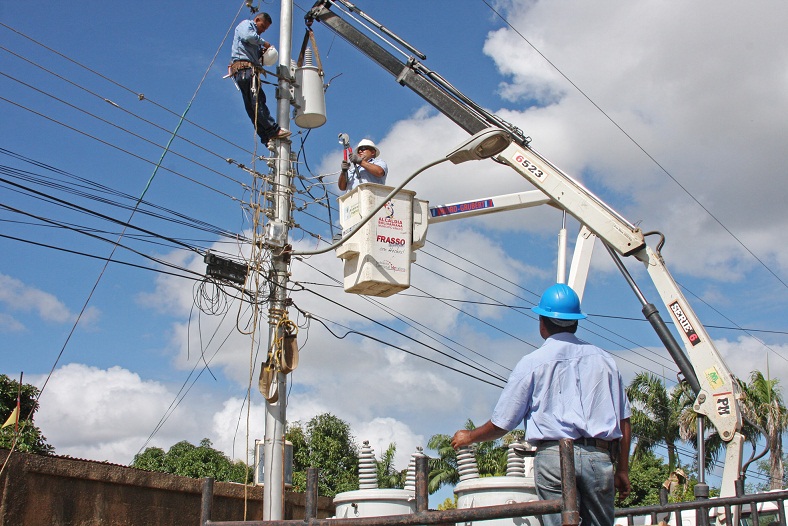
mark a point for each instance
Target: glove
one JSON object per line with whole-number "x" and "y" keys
{"x": 345, "y": 166}
{"x": 355, "y": 159}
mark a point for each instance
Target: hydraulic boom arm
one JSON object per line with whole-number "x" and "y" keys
{"x": 716, "y": 389}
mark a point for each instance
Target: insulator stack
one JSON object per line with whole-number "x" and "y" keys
{"x": 410, "y": 475}
{"x": 515, "y": 463}
{"x": 367, "y": 468}
{"x": 466, "y": 464}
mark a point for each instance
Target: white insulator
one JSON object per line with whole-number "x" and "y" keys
{"x": 466, "y": 464}
{"x": 367, "y": 468}
{"x": 308, "y": 57}
{"x": 410, "y": 475}
{"x": 515, "y": 463}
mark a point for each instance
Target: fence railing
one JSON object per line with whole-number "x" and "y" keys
{"x": 694, "y": 513}
{"x": 567, "y": 505}
{"x": 748, "y": 508}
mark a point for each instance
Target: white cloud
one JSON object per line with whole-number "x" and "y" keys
{"x": 748, "y": 353}
{"x": 380, "y": 432}
{"x": 16, "y": 296}
{"x": 108, "y": 414}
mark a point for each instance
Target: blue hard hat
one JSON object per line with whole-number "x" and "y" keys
{"x": 559, "y": 302}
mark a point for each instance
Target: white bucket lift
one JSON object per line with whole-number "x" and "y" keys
{"x": 378, "y": 257}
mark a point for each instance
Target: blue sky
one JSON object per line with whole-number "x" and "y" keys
{"x": 661, "y": 109}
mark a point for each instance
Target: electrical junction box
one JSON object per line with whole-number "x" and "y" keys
{"x": 378, "y": 256}
{"x": 259, "y": 463}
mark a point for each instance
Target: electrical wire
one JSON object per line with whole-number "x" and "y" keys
{"x": 423, "y": 328}
{"x": 639, "y": 147}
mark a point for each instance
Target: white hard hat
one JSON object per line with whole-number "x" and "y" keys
{"x": 270, "y": 56}
{"x": 367, "y": 142}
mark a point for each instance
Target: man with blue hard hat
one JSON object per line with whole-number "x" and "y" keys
{"x": 567, "y": 388}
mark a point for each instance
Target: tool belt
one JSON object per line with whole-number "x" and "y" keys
{"x": 239, "y": 65}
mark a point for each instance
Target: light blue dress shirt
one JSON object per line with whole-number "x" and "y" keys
{"x": 357, "y": 175}
{"x": 247, "y": 44}
{"x": 567, "y": 388}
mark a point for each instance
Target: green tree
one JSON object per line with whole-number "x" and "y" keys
{"x": 388, "y": 476}
{"x": 764, "y": 466}
{"x": 762, "y": 403}
{"x": 30, "y": 439}
{"x": 443, "y": 468}
{"x": 325, "y": 442}
{"x": 188, "y": 460}
{"x": 656, "y": 414}
{"x": 448, "y": 504}
{"x": 647, "y": 474}
{"x": 491, "y": 458}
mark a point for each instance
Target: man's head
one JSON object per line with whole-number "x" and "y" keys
{"x": 367, "y": 149}
{"x": 558, "y": 310}
{"x": 262, "y": 21}
{"x": 550, "y": 326}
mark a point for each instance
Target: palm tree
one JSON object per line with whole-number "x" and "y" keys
{"x": 491, "y": 458}
{"x": 388, "y": 476}
{"x": 713, "y": 443}
{"x": 655, "y": 415}
{"x": 763, "y": 404}
{"x": 443, "y": 469}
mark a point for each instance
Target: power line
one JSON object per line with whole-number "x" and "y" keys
{"x": 138, "y": 95}
{"x": 422, "y": 328}
{"x": 114, "y": 146}
{"x": 638, "y": 145}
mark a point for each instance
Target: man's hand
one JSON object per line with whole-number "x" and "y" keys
{"x": 621, "y": 482}
{"x": 345, "y": 166}
{"x": 461, "y": 438}
{"x": 356, "y": 158}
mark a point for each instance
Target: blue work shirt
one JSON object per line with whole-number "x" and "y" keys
{"x": 357, "y": 175}
{"x": 247, "y": 44}
{"x": 567, "y": 388}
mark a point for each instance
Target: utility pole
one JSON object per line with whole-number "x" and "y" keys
{"x": 275, "y": 414}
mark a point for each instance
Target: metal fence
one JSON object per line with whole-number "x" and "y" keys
{"x": 758, "y": 509}
{"x": 567, "y": 506}
{"x": 761, "y": 509}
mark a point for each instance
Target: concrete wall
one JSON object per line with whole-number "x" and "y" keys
{"x": 38, "y": 490}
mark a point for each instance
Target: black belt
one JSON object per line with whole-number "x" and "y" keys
{"x": 607, "y": 445}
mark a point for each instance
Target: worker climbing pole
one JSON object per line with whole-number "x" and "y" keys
{"x": 273, "y": 241}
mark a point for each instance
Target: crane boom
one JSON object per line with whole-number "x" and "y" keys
{"x": 717, "y": 393}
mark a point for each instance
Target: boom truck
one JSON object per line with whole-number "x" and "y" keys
{"x": 716, "y": 391}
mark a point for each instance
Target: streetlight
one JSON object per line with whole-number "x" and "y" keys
{"x": 482, "y": 145}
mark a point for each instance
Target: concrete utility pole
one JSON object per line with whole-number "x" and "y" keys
{"x": 275, "y": 415}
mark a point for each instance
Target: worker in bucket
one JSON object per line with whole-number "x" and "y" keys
{"x": 567, "y": 388}
{"x": 364, "y": 166}
{"x": 250, "y": 51}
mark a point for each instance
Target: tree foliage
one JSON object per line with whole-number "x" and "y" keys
{"x": 30, "y": 439}
{"x": 325, "y": 442}
{"x": 764, "y": 469}
{"x": 763, "y": 404}
{"x": 188, "y": 460}
{"x": 491, "y": 458}
{"x": 656, "y": 413}
{"x": 647, "y": 474}
{"x": 388, "y": 476}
